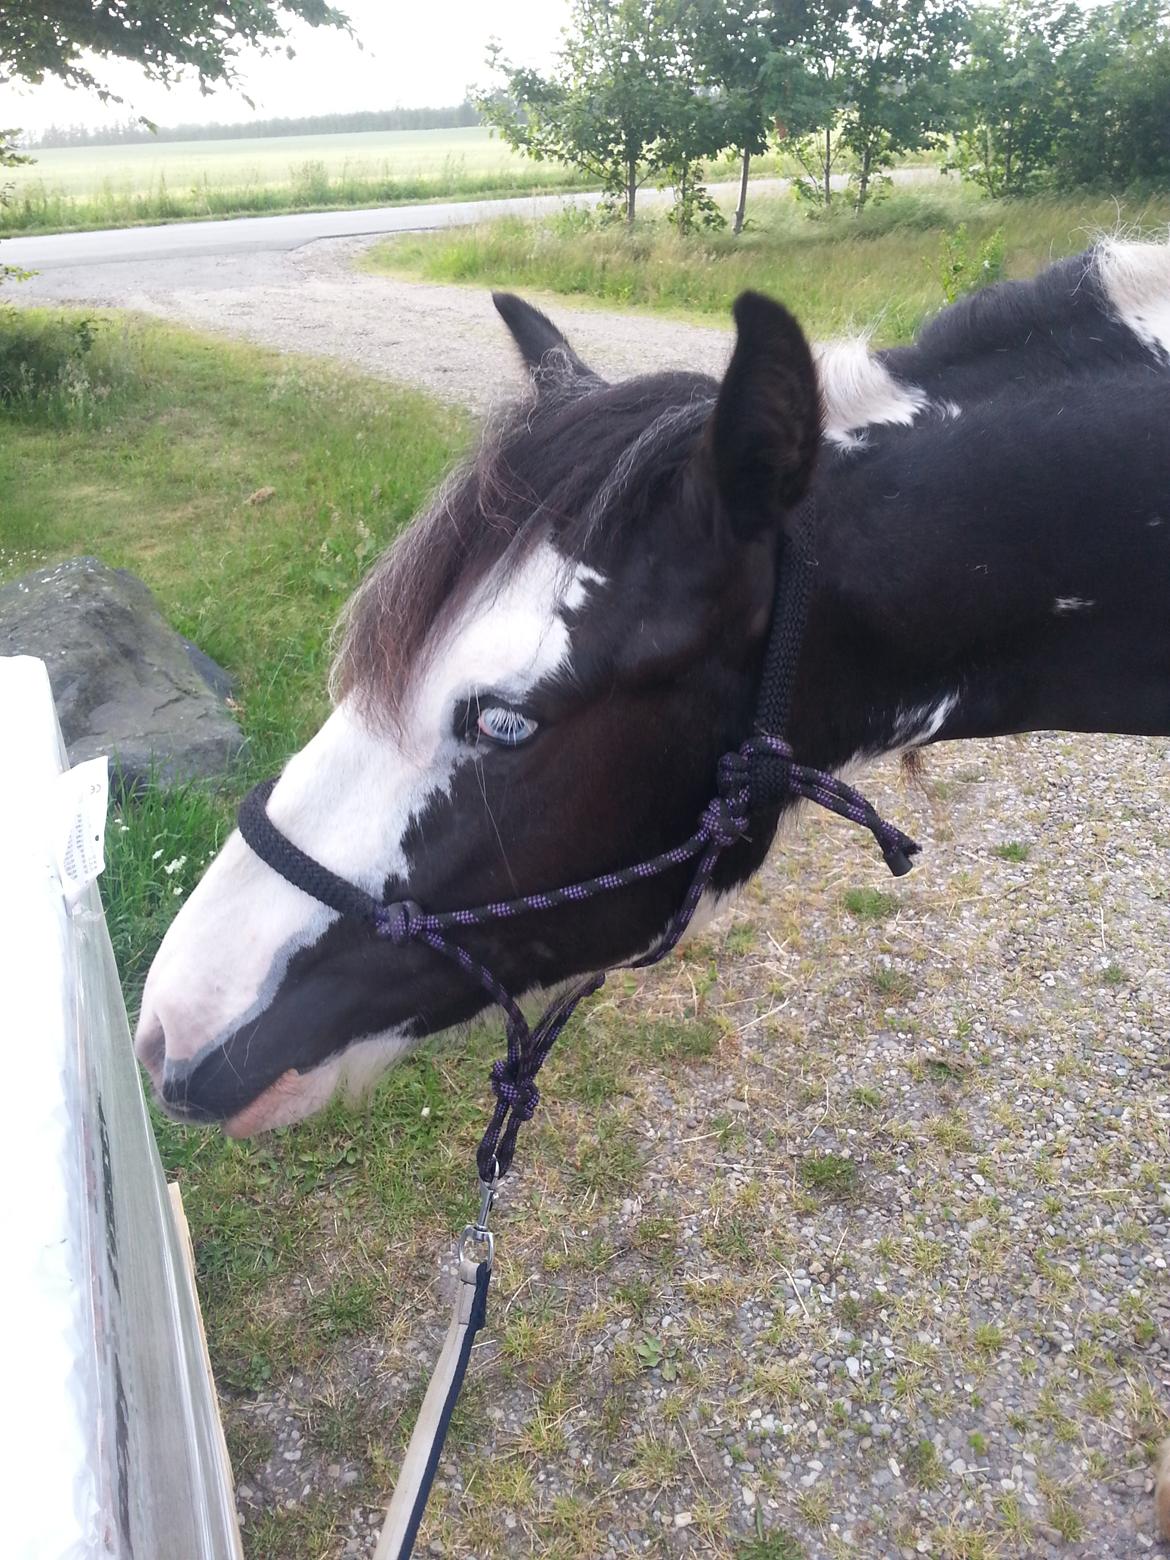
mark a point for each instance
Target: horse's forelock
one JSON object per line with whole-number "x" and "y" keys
{"x": 571, "y": 464}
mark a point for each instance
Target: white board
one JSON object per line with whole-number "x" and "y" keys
{"x": 112, "y": 1438}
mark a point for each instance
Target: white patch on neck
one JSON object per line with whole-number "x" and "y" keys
{"x": 920, "y": 725}
{"x": 859, "y": 391}
{"x": 348, "y": 798}
{"x": 1135, "y": 279}
{"x": 913, "y": 726}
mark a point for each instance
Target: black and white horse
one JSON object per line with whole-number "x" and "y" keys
{"x": 536, "y": 682}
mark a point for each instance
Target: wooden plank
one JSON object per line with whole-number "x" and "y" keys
{"x": 174, "y": 1191}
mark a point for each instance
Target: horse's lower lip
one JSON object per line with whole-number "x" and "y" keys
{"x": 259, "y": 1115}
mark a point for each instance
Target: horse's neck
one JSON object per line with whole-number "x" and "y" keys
{"x": 991, "y": 579}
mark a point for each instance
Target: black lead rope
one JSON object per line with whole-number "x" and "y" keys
{"x": 757, "y": 778}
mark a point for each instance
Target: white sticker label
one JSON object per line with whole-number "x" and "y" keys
{"x": 80, "y": 804}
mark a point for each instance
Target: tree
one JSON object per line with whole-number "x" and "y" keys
{"x": 899, "y": 81}
{"x": 167, "y": 38}
{"x": 40, "y": 38}
{"x": 1011, "y": 94}
{"x": 814, "y": 47}
{"x": 1057, "y": 95}
{"x": 1115, "y": 131}
{"x": 604, "y": 107}
{"x": 733, "y": 47}
{"x": 882, "y": 71}
{"x": 10, "y": 158}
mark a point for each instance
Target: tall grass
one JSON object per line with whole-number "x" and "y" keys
{"x": 837, "y": 272}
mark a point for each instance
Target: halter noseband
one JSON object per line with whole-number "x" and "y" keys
{"x": 756, "y": 778}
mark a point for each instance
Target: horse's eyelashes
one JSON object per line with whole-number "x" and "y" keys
{"x": 506, "y": 727}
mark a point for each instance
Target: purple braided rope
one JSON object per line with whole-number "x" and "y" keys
{"x": 725, "y": 820}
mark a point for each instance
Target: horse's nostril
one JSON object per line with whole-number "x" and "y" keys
{"x": 150, "y": 1047}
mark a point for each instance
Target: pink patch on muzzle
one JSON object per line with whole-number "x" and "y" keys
{"x": 282, "y": 1102}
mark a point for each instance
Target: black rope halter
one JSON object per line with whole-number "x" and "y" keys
{"x": 759, "y": 776}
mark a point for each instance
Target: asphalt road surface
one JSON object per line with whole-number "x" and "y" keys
{"x": 187, "y": 241}
{"x": 291, "y": 282}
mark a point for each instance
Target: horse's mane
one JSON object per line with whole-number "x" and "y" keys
{"x": 577, "y": 459}
{"x": 572, "y": 460}
{"x": 1086, "y": 313}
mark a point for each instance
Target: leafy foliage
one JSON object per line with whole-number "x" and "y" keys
{"x": 876, "y": 78}
{"x": 43, "y": 363}
{"x": 644, "y": 90}
{"x": 1066, "y": 97}
{"x": 966, "y": 267}
{"x": 10, "y": 157}
{"x": 40, "y": 38}
{"x": 604, "y": 108}
{"x": 1011, "y": 93}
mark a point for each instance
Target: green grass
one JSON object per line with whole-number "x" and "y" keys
{"x": 150, "y": 469}
{"x": 776, "y": 1545}
{"x": 119, "y": 186}
{"x": 837, "y": 274}
{"x": 831, "y": 1175}
{"x": 870, "y": 904}
{"x": 1013, "y": 850}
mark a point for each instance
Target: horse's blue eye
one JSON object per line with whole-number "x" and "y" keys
{"x": 507, "y": 727}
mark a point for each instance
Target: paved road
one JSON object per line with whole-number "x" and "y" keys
{"x": 247, "y": 235}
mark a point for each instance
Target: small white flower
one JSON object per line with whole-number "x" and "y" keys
{"x": 175, "y": 866}
{"x": 156, "y": 855}
{"x": 178, "y": 893}
{"x": 426, "y": 1110}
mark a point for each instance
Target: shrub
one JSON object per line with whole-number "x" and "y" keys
{"x": 963, "y": 268}
{"x": 45, "y": 362}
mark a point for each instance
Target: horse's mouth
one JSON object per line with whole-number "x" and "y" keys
{"x": 280, "y": 1104}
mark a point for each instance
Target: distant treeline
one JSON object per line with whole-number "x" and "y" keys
{"x": 135, "y": 130}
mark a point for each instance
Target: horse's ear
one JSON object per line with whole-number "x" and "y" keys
{"x": 541, "y": 344}
{"x": 764, "y": 433}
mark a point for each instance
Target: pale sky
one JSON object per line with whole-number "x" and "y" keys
{"x": 412, "y": 53}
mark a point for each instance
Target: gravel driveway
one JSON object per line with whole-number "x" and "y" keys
{"x": 448, "y": 340}
{"x": 886, "y": 1273}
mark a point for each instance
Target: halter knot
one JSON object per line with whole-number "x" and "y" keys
{"x": 519, "y": 1093}
{"x": 396, "y": 921}
{"x": 727, "y": 816}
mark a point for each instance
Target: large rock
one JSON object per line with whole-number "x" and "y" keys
{"x": 125, "y": 682}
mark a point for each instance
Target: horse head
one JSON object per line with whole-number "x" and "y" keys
{"x": 534, "y": 686}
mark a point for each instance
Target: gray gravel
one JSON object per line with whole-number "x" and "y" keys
{"x": 954, "y": 1344}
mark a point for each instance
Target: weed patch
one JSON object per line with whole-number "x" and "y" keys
{"x": 831, "y": 1176}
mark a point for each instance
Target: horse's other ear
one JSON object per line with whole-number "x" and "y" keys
{"x": 765, "y": 431}
{"x": 537, "y": 337}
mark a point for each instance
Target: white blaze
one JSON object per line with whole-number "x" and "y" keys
{"x": 348, "y": 799}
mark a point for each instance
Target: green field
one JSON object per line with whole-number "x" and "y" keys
{"x": 885, "y": 270}
{"x": 114, "y": 186}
